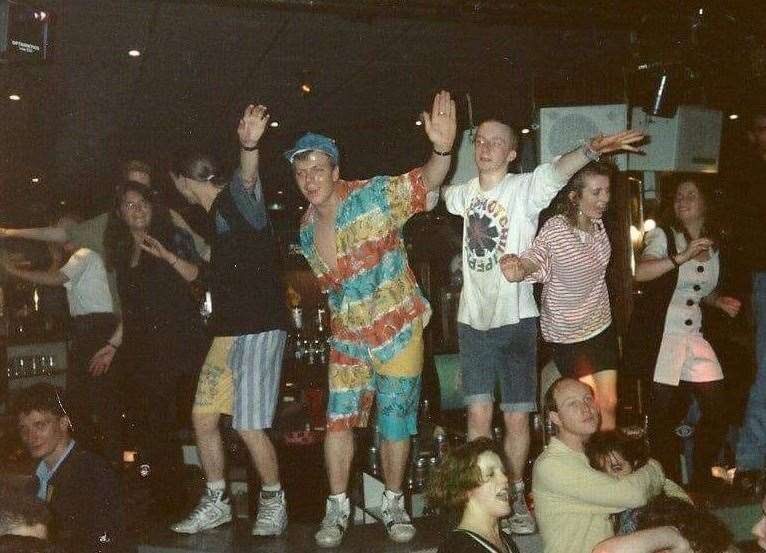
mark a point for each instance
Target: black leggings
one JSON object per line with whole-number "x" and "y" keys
{"x": 669, "y": 407}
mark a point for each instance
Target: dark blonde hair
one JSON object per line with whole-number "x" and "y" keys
{"x": 563, "y": 204}
{"x": 458, "y": 474}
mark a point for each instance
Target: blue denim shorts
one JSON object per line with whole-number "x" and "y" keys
{"x": 504, "y": 357}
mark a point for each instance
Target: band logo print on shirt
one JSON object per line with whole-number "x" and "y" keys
{"x": 486, "y": 234}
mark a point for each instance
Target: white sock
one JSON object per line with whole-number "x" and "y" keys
{"x": 390, "y": 494}
{"x": 339, "y": 497}
{"x": 272, "y": 487}
{"x": 216, "y": 485}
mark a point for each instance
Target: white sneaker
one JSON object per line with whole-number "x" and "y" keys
{"x": 272, "y": 514}
{"x": 211, "y": 511}
{"x": 395, "y": 518}
{"x": 522, "y": 521}
{"x": 334, "y": 523}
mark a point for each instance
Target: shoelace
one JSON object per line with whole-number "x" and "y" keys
{"x": 334, "y": 515}
{"x": 397, "y": 512}
{"x": 207, "y": 499}
{"x": 269, "y": 509}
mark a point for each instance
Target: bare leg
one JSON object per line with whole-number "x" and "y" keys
{"x": 394, "y": 455}
{"x": 480, "y": 420}
{"x": 604, "y": 384}
{"x": 338, "y": 454}
{"x": 516, "y": 443}
{"x": 263, "y": 455}
{"x": 209, "y": 444}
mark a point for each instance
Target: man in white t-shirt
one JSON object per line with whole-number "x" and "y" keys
{"x": 497, "y": 325}
{"x": 91, "y": 393}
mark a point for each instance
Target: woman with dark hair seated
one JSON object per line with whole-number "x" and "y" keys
{"x": 472, "y": 481}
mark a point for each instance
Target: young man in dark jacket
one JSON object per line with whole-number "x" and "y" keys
{"x": 81, "y": 490}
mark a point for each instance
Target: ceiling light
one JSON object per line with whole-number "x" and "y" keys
{"x": 35, "y": 179}
{"x": 134, "y": 53}
{"x": 274, "y": 124}
{"x": 62, "y": 202}
{"x": 300, "y": 208}
{"x": 305, "y": 88}
{"x": 525, "y": 131}
{"x": 418, "y": 123}
{"x": 14, "y": 97}
{"x": 280, "y": 192}
{"x": 733, "y": 116}
{"x": 649, "y": 224}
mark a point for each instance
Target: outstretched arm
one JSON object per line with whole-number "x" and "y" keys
{"x": 46, "y": 278}
{"x": 568, "y": 164}
{"x": 441, "y": 127}
{"x": 250, "y": 130}
{"x": 43, "y": 234}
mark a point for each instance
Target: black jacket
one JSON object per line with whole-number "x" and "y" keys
{"x": 85, "y": 501}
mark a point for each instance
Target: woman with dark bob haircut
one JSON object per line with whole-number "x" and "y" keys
{"x": 472, "y": 481}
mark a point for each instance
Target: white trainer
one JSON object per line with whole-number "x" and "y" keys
{"x": 395, "y": 518}
{"x": 211, "y": 511}
{"x": 334, "y": 524}
{"x": 272, "y": 514}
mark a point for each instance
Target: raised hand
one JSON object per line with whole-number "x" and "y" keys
{"x": 621, "y": 141}
{"x": 252, "y": 125}
{"x": 695, "y": 248}
{"x": 155, "y": 247}
{"x": 441, "y": 123}
{"x": 512, "y": 268}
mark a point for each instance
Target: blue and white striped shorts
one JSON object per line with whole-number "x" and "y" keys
{"x": 241, "y": 377}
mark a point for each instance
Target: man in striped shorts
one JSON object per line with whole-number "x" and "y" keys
{"x": 351, "y": 238}
{"x": 497, "y": 319}
{"x": 241, "y": 373}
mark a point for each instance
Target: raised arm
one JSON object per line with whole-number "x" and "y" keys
{"x": 441, "y": 128}
{"x": 43, "y": 234}
{"x": 250, "y": 130}
{"x": 568, "y": 164}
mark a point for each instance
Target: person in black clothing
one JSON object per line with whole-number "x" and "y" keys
{"x": 473, "y": 481}
{"x": 241, "y": 373}
{"x": 163, "y": 339}
{"x": 81, "y": 490}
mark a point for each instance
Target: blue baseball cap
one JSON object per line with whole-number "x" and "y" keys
{"x": 312, "y": 141}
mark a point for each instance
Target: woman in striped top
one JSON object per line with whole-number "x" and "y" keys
{"x": 569, "y": 256}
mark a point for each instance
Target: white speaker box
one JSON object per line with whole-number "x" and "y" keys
{"x": 465, "y": 166}
{"x": 563, "y": 129}
{"x": 689, "y": 142}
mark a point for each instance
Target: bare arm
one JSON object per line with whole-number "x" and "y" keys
{"x": 441, "y": 128}
{"x": 664, "y": 538}
{"x": 43, "y": 234}
{"x": 189, "y": 271}
{"x": 46, "y": 278}
{"x": 568, "y": 164}
{"x": 650, "y": 268}
{"x": 250, "y": 130}
{"x": 102, "y": 359}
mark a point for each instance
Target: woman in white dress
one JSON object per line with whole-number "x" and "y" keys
{"x": 684, "y": 260}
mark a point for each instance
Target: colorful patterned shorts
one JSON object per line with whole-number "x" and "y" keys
{"x": 355, "y": 382}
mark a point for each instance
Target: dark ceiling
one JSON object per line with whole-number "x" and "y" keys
{"x": 372, "y": 67}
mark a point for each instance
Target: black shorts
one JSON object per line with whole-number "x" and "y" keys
{"x": 589, "y": 356}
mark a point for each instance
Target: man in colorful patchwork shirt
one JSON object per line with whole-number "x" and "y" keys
{"x": 351, "y": 237}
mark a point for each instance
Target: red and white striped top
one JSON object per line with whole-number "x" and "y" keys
{"x": 575, "y": 299}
